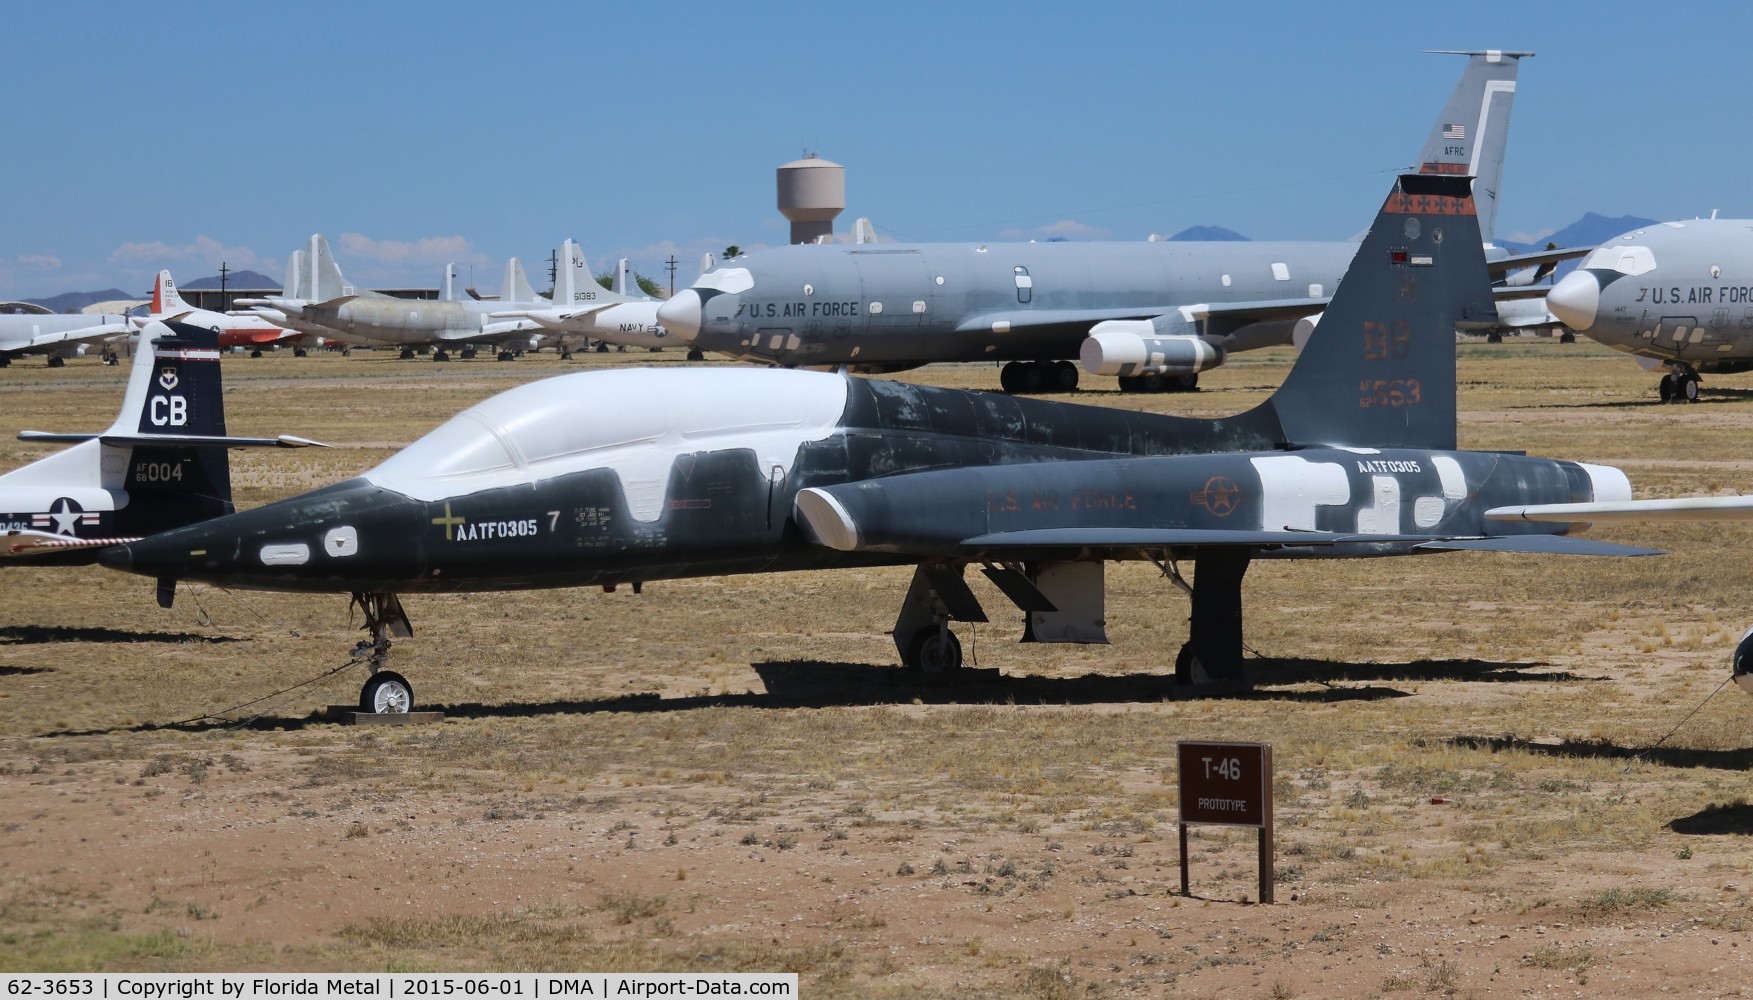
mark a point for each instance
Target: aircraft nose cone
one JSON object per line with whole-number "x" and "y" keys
{"x": 1576, "y": 300}
{"x": 681, "y": 314}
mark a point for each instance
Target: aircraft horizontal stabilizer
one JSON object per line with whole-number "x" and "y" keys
{"x": 1736, "y": 508}
{"x": 1558, "y": 545}
{"x": 162, "y": 440}
{"x": 28, "y": 543}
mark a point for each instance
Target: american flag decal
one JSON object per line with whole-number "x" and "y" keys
{"x": 1454, "y": 131}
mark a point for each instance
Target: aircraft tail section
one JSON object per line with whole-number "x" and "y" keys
{"x": 1472, "y": 132}
{"x": 1379, "y": 369}
{"x": 451, "y": 289}
{"x": 574, "y": 286}
{"x": 516, "y": 287}
{"x": 165, "y": 298}
{"x": 178, "y": 396}
{"x": 325, "y": 275}
{"x": 297, "y": 284}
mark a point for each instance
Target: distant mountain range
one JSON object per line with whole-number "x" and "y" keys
{"x": 236, "y": 279}
{"x": 1207, "y": 234}
{"x": 1587, "y": 231}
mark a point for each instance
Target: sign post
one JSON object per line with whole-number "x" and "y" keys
{"x": 1227, "y": 784}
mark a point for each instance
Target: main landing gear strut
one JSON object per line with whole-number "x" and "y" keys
{"x": 385, "y": 692}
{"x": 1212, "y": 654}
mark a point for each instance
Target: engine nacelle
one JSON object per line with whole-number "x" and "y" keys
{"x": 1128, "y": 347}
{"x": 1305, "y": 327}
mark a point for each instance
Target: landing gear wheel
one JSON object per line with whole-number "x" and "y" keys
{"x": 1186, "y": 383}
{"x": 299, "y": 352}
{"x": 407, "y": 354}
{"x": 256, "y": 353}
{"x": 1665, "y": 388}
{"x": 1010, "y": 377}
{"x": 507, "y": 356}
{"x": 467, "y": 353}
{"x": 1152, "y": 382}
{"x": 57, "y": 362}
{"x": 1129, "y": 383}
{"x": 602, "y": 347}
{"x": 386, "y": 693}
{"x": 1687, "y": 385}
{"x": 934, "y": 650}
{"x": 695, "y": 354}
{"x": 1742, "y": 663}
{"x": 565, "y": 355}
{"x": 1064, "y": 375}
{"x": 440, "y": 356}
{"x": 1033, "y": 377}
{"x": 1494, "y": 338}
{"x": 1567, "y": 337}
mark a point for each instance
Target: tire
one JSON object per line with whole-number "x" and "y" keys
{"x": 1064, "y": 375}
{"x": 1665, "y": 388}
{"x": 386, "y": 693}
{"x": 1185, "y": 383}
{"x": 1567, "y": 337}
{"x": 1010, "y": 377}
{"x": 934, "y": 650}
{"x": 1688, "y": 389}
{"x": 440, "y": 356}
{"x": 1151, "y": 382}
{"x": 695, "y": 354}
{"x": 1032, "y": 377}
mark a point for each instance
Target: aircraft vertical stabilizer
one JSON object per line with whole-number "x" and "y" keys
{"x": 1380, "y": 368}
{"x": 1470, "y": 135}
{"x": 165, "y": 298}
{"x": 516, "y": 286}
{"x": 325, "y": 275}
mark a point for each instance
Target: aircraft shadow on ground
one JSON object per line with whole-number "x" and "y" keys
{"x": 24, "y": 671}
{"x": 1714, "y": 820}
{"x": 31, "y": 635}
{"x": 820, "y": 684}
{"x": 1738, "y": 759}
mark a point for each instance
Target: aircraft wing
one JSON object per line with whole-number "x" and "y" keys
{"x": 1229, "y": 315}
{"x": 101, "y": 331}
{"x": 28, "y": 543}
{"x": 1543, "y": 260}
{"x": 160, "y": 440}
{"x": 1158, "y": 538}
{"x": 1737, "y": 508}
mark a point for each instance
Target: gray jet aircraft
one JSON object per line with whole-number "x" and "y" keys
{"x": 1155, "y": 314}
{"x": 1678, "y": 296}
{"x": 634, "y": 475}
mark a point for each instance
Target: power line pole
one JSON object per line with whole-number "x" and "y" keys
{"x": 670, "y": 266}
{"x": 224, "y": 297}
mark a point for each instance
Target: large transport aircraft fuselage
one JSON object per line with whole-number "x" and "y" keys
{"x": 1677, "y": 293}
{"x": 697, "y": 473}
{"x": 877, "y": 304}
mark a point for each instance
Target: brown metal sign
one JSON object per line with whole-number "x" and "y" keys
{"x": 1227, "y": 784}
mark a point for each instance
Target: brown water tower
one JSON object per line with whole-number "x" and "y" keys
{"x": 812, "y": 192}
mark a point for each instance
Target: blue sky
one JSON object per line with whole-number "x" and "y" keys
{"x": 179, "y": 135}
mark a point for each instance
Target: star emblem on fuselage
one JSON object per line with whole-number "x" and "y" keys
{"x": 65, "y": 513}
{"x": 1219, "y": 496}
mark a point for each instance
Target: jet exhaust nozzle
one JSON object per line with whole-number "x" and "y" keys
{"x": 1128, "y": 347}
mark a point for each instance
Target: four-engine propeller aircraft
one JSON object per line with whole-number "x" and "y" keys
{"x": 161, "y": 465}
{"x": 322, "y": 300}
{"x": 1678, "y": 295}
{"x": 635, "y": 475}
{"x": 1155, "y": 314}
{"x": 584, "y": 310}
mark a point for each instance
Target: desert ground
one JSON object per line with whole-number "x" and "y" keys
{"x": 1496, "y": 775}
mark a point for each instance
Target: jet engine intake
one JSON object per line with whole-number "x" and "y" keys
{"x": 1128, "y": 347}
